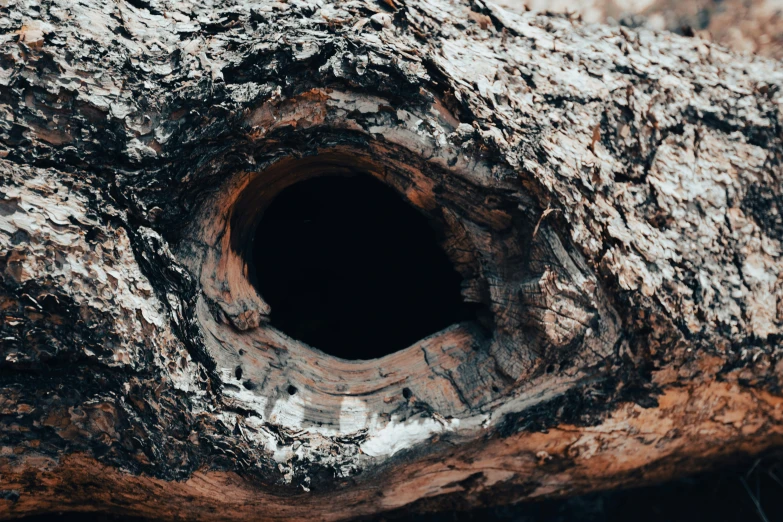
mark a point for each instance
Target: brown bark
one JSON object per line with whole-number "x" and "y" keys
{"x": 611, "y": 198}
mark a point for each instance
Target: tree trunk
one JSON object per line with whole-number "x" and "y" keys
{"x": 611, "y": 200}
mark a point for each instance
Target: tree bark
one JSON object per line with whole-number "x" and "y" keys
{"x": 747, "y": 26}
{"x": 612, "y": 199}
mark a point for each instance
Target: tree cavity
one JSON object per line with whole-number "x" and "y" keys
{"x": 350, "y": 268}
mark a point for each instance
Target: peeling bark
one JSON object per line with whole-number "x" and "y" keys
{"x": 611, "y": 198}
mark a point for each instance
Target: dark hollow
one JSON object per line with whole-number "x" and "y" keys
{"x": 350, "y": 268}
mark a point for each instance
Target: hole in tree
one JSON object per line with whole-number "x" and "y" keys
{"x": 350, "y": 268}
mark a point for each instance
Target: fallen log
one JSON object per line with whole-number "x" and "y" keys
{"x": 608, "y": 203}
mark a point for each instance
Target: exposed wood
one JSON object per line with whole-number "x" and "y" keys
{"x": 612, "y": 199}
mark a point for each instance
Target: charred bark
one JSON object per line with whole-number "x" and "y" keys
{"x": 611, "y": 200}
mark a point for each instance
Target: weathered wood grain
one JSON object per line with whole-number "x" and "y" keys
{"x": 611, "y": 198}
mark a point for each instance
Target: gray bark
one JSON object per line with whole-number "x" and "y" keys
{"x": 746, "y": 26}
{"x": 612, "y": 199}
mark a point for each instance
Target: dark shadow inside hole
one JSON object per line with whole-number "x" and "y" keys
{"x": 350, "y": 268}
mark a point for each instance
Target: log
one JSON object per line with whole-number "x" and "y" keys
{"x": 609, "y": 199}
{"x": 746, "y": 26}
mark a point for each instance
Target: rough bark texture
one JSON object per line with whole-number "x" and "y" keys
{"x": 748, "y": 26}
{"x": 612, "y": 199}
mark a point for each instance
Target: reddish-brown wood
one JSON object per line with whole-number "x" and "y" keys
{"x": 611, "y": 199}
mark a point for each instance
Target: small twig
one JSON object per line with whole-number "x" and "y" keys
{"x": 546, "y": 212}
{"x": 755, "y": 500}
{"x": 752, "y": 468}
{"x": 774, "y": 477}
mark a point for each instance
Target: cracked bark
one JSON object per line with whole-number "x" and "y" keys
{"x": 752, "y": 26}
{"x": 611, "y": 198}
